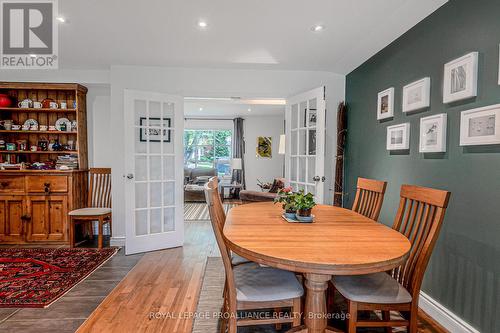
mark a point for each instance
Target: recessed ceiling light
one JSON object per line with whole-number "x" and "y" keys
{"x": 317, "y": 28}
{"x": 249, "y": 109}
{"x": 61, "y": 19}
{"x": 201, "y": 109}
{"x": 202, "y": 24}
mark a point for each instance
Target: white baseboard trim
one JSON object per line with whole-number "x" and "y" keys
{"x": 117, "y": 241}
{"x": 443, "y": 316}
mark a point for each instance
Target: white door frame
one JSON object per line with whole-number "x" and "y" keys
{"x": 164, "y": 239}
{"x": 318, "y": 180}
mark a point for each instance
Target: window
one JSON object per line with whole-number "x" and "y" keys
{"x": 208, "y": 149}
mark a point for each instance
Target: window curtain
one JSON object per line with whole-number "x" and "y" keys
{"x": 239, "y": 151}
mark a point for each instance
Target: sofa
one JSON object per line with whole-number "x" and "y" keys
{"x": 248, "y": 196}
{"x": 194, "y": 181}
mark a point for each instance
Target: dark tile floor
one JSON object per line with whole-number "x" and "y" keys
{"x": 71, "y": 310}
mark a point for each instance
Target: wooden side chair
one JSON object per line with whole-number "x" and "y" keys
{"x": 419, "y": 217}
{"x": 250, "y": 286}
{"x": 98, "y": 204}
{"x": 369, "y": 197}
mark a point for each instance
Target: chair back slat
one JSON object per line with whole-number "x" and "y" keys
{"x": 99, "y": 188}
{"x": 369, "y": 197}
{"x": 217, "y": 218}
{"x": 419, "y": 217}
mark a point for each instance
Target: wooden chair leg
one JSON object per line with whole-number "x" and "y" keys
{"x": 413, "y": 328}
{"x": 386, "y": 316}
{"x": 110, "y": 227}
{"x": 71, "y": 232}
{"x": 352, "y": 310}
{"x": 296, "y": 311}
{"x": 99, "y": 237}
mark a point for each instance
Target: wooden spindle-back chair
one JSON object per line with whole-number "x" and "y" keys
{"x": 419, "y": 217}
{"x": 98, "y": 205}
{"x": 369, "y": 197}
{"x": 231, "y": 303}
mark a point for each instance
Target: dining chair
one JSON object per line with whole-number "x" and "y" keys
{"x": 250, "y": 286}
{"x": 369, "y": 197}
{"x": 419, "y": 217}
{"x": 98, "y": 205}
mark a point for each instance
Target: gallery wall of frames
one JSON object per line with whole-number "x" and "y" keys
{"x": 478, "y": 126}
{"x": 425, "y": 110}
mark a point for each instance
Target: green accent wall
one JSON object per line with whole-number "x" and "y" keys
{"x": 464, "y": 272}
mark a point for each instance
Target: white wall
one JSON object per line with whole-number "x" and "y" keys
{"x": 209, "y": 82}
{"x": 99, "y": 125}
{"x": 264, "y": 169}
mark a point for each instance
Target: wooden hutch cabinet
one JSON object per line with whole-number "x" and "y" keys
{"x": 34, "y": 204}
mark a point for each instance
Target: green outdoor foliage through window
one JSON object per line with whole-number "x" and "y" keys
{"x": 208, "y": 149}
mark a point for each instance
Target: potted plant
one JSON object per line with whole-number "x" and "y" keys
{"x": 286, "y": 197}
{"x": 304, "y": 204}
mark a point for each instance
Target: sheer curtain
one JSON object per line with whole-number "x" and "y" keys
{"x": 239, "y": 151}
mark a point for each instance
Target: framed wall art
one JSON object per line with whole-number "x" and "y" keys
{"x": 264, "y": 147}
{"x": 460, "y": 78}
{"x": 480, "y": 126}
{"x": 417, "y": 95}
{"x": 433, "y": 134}
{"x": 152, "y": 131}
{"x": 398, "y": 137}
{"x": 385, "y": 104}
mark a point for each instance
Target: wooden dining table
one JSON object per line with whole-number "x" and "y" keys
{"x": 338, "y": 242}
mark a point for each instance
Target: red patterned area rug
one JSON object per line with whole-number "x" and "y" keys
{"x": 34, "y": 278}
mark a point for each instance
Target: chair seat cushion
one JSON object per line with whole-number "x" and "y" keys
{"x": 90, "y": 211}
{"x": 237, "y": 259}
{"x": 378, "y": 288}
{"x": 264, "y": 284}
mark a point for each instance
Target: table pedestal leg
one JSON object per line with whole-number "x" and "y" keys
{"x": 315, "y": 308}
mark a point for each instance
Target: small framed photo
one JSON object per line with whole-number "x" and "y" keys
{"x": 460, "y": 78}
{"x": 480, "y": 126}
{"x": 154, "y": 133}
{"x": 433, "y": 134}
{"x": 385, "y": 104}
{"x": 417, "y": 95}
{"x": 398, "y": 137}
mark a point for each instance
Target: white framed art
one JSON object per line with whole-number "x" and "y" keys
{"x": 398, "y": 137}
{"x": 433, "y": 134}
{"x": 417, "y": 95}
{"x": 460, "y": 78}
{"x": 480, "y": 126}
{"x": 385, "y": 104}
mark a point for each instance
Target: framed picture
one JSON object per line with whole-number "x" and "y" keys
{"x": 417, "y": 95}
{"x": 480, "y": 126}
{"x": 154, "y": 134}
{"x": 460, "y": 78}
{"x": 264, "y": 147}
{"x": 433, "y": 134}
{"x": 398, "y": 137}
{"x": 385, "y": 104}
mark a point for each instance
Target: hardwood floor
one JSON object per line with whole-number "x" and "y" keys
{"x": 166, "y": 284}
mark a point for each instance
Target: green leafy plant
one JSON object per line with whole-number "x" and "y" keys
{"x": 304, "y": 203}
{"x": 287, "y": 198}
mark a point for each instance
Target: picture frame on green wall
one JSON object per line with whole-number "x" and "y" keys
{"x": 417, "y": 95}
{"x": 480, "y": 126}
{"x": 398, "y": 137}
{"x": 385, "y": 104}
{"x": 460, "y": 78}
{"x": 433, "y": 134}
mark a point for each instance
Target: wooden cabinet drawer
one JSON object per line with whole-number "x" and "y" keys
{"x": 11, "y": 184}
{"x": 46, "y": 184}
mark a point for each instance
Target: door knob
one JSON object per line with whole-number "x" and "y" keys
{"x": 130, "y": 176}
{"x": 316, "y": 178}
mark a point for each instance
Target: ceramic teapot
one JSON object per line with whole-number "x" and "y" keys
{"x": 5, "y": 101}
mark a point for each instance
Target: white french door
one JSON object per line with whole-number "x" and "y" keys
{"x": 305, "y": 138}
{"x": 153, "y": 162}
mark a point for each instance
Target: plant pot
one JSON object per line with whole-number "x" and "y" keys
{"x": 304, "y": 212}
{"x": 290, "y": 215}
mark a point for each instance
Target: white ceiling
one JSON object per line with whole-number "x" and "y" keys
{"x": 219, "y": 109}
{"x": 271, "y": 34}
